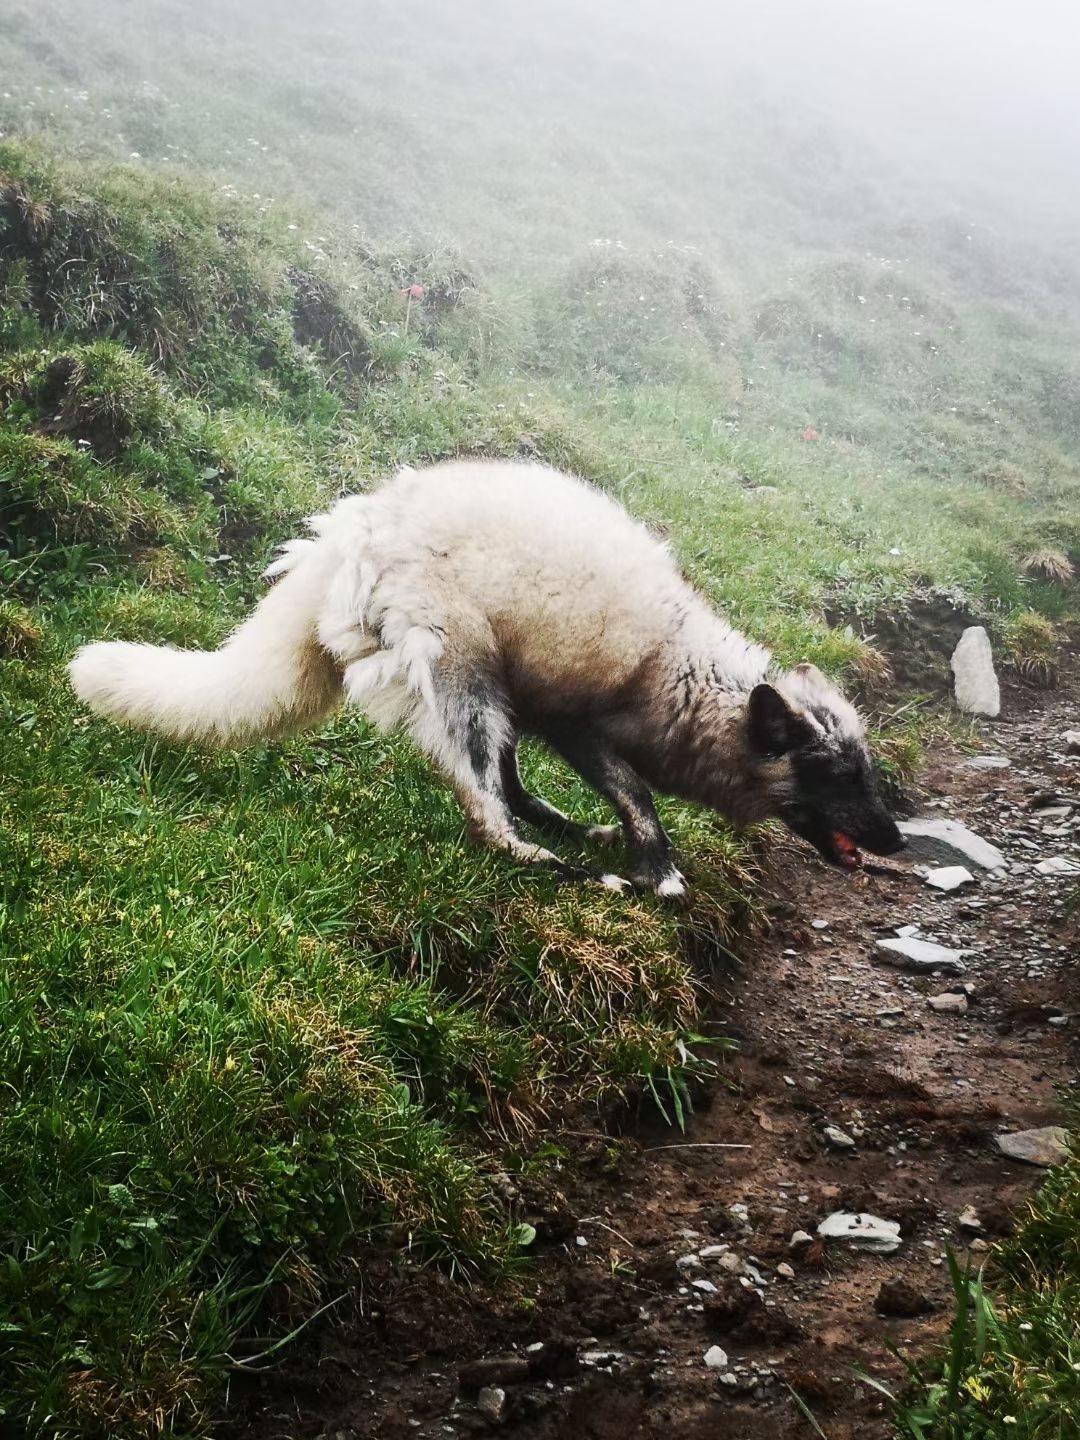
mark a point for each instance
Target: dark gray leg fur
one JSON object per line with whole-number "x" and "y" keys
{"x": 535, "y": 811}
{"x": 474, "y": 734}
{"x": 651, "y": 854}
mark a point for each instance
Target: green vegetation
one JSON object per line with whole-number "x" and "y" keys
{"x": 260, "y": 1011}
{"x": 263, "y": 1012}
{"x": 1012, "y": 1363}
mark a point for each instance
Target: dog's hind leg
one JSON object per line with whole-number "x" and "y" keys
{"x": 651, "y": 852}
{"x": 533, "y": 810}
{"x": 466, "y": 726}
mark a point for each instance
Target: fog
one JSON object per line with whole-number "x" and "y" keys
{"x": 983, "y": 91}
{"x": 513, "y": 129}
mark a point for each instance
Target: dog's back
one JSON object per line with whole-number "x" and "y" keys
{"x": 539, "y": 571}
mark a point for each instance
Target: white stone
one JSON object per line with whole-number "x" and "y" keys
{"x": 968, "y": 1219}
{"x": 799, "y": 1240}
{"x": 988, "y": 762}
{"x": 949, "y": 840}
{"x": 921, "y": 955}
{"x": 948, "y": 1004}
{"x": 713, "y": 1252}
{"x": 974, "y": 681}
{"x": 1057, "y": 865}
{"x": 1072, "y": 742}
{"x": 862, "y": 1232}
{"x": 490, "y": 1402}
{"x": 1048, "y": 1146}
{"x": 715, "y": 1358}
{"x": 907, "y": 931}
{"x": 731, "y": 1262}
{"x": 837, "y": 1139}
{"x": 949, "y": 877}
{"x": 705, "y": 1286}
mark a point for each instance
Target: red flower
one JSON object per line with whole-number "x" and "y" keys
{"x": 808, "y": 434}
{"x": 412, "y": 292}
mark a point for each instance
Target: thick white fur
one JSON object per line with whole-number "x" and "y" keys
{"x": 267, "y": 679}
{"x": 452, "y": 564}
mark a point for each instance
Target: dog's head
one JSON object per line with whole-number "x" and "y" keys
{"x": 822, "y": 780}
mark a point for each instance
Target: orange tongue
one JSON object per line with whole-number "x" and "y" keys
{"x": 849, "y": 851}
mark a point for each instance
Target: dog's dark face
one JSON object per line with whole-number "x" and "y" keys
{"x": 829, "y": 794}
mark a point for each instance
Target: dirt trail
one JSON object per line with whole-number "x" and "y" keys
{"x": 828, "y": 1037}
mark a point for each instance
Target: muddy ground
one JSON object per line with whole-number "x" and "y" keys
{"x": 828, "y": 1036}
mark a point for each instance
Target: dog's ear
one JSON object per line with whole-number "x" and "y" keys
{"x": 814, "y": 675}
{"x": 774, "y": 727}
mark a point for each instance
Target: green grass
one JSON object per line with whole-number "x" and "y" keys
{"x": 1011, "y": 1366}
{"x": 264, "y": 1012}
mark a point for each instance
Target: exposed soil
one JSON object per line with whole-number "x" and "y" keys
{"x": 828, "y": 1037}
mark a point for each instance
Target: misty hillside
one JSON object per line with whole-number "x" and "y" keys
{"x": 523, "y": 137}
{"x": 269, "y": 1023}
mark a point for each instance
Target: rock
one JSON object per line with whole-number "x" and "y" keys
{"x": 713, "y": 1252}
{"x": 948, "y": 1003}
{"x": 705, "y": 1286}
{"x": 897, "y": 1297}
{"x": 949, "y": 877}
{"x": 553, "y": 1360}
{"x": 1072, "y": 742}
{"x": 740, "y": 1314}
{"x": 799, "y": 1240}
{"x": 715, "y": 1358}
{"x": 907, "y": 931}
{"x": 480, "y": 1375}
{"x": 988, "y": 762}
{"x": 948, "y": 841}
{"x": 504, "y": 1188}
{"x": 1046, "y": 1146}
{"x": 861, "y": 1232}
{"x": 837, "y": 1139}
{"x": 968, "y": 1219}
{"x": 974, "y": 681}
{"x": 912, "y": 954}
{"x": 731, "y": 1262}
{"x": 819, "y": 924}
{"x": 785, "y": 1270}
{"x": 688, "y": 1262}
{"x": 600, "y": 1359}
{"x": 491, "y": 1403}
{"x": 1057, "y": 865}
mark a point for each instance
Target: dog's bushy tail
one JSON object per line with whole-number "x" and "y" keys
{"x": 271, "y": 677}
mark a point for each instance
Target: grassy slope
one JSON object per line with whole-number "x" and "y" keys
{"x": 250, "y": 1034}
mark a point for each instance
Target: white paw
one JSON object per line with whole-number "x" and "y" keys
{"x": 616, "y": 883}
{"x": 671, "y": 886}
